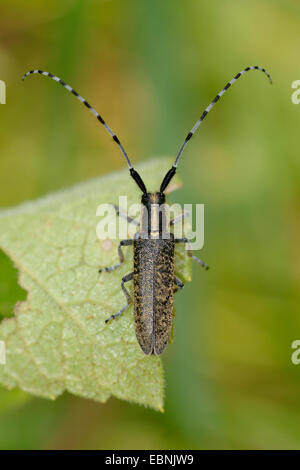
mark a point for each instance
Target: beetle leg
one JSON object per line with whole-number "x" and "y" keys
{"x": 178, "y": 283}
{"x": 190, "y": 253}
{"x": 121, "y": 256}
{"x": 126, "y": 278}
{"x": 199, "y": 261}
{"x": 130, "y": 220}
{"x": 178, "y": 218}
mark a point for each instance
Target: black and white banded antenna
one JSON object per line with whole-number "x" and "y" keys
{"x": 133, "y": 172}
{"x": 172, "y": 170}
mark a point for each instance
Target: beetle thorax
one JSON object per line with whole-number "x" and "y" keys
{"x": 154, "y": 216}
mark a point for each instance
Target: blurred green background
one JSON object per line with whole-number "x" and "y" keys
{"x": 150, "y": 68}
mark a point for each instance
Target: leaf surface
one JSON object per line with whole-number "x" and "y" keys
{"x": 57, "y": 340}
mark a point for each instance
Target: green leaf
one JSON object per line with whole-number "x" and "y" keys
{"x": 10, "y": 291}
{"x": 58, "y": 339}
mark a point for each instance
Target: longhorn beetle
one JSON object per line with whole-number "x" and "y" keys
{"x": 154, "y": 281}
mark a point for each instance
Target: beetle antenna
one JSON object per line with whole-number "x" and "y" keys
{"x": 133, "y": 172}
{"x": 172, "y": 171}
